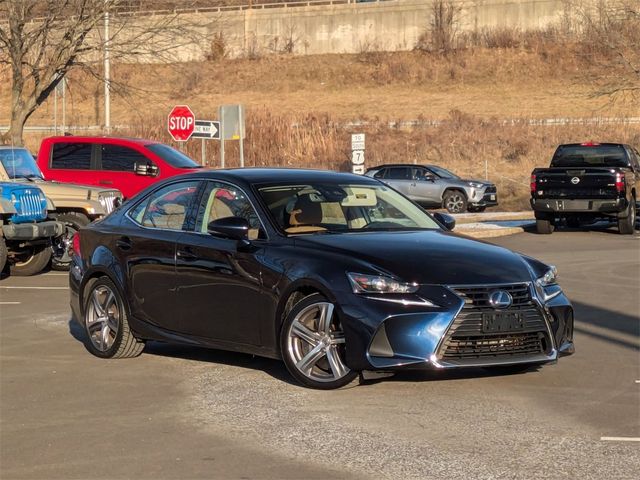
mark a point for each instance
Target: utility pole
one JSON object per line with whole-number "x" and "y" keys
{"x": 107, "y": 79}
{"x": 64, "y": 104}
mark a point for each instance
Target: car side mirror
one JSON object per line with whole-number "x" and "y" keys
{"x": 235, "y": 228}
{"x": 146, "y": 169}
{"x": 446, "y": 220}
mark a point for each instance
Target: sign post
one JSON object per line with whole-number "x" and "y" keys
{"x": 206, "y": 130}
{"x": 231, "y": 128}
{"x": 357, "y": 153}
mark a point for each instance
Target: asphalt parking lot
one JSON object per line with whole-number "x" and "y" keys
{"x": 181, "y": 412}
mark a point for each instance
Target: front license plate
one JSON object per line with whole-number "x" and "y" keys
{"x": 493, "y": 197}
{"x": 502, "y": 322}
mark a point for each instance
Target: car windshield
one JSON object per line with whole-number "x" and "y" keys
{"x": 333, "y": 208}
{"x": 172, "y": 156}
{"x": 442, "y": 172}
{"x": 590, "y": 156}
{"x": 19, "y": 163}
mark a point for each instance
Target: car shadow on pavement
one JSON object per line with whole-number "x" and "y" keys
{"x": 617, "y": 323}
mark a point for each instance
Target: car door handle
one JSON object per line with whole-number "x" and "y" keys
{"x": 123, "y": 243}
{"x": 106, "y": 182}
{"x": 186, "y": 255}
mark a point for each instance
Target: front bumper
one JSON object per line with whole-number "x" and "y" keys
{"x": 560, "y": 206}
{"x": 483, "y": 198}
{"x": 33, "y": 231}
{"x": 383, "y": 335}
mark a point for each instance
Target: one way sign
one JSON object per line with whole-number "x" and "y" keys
{"x": 206, "y": 129}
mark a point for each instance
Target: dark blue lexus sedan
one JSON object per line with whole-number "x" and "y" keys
{"x": 333, "y": 273}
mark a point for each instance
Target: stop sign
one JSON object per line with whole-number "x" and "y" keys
{"x": 181, "y": 122}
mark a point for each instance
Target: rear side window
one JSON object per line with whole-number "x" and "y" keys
{"x": 166, "y": 208}
{"x": 67, "y": 155}
{"x": 398, "y": 173}
{"x": 123, "y": 159}
{"x": 590, "y": 156}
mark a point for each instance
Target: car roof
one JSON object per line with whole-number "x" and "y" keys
{"x": 593, "y": 144}
{"x": 265, "y": 175}
{"x": 386, "y": 165}
{"x": 103, "y": 138}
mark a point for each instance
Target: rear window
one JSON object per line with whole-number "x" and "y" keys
{"x": 590, "y": 156}
{"x": 75, "y": 155}
{"x": 398, "y": 173}
{"x": 172, "y": 156}
{"x": 124, "y": 159}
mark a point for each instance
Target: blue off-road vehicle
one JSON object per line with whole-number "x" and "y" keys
{"x": 25, "y": 231}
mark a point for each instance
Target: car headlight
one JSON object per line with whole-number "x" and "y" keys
{"x": 475, "y": 184}
{"x": 547, "y": 285}
{"x": 379, "y": 284}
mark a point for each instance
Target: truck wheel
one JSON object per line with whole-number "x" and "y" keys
{"x": 627, "y": 225}
{"x": 61, "y": 246}
{"x": 544, "y": 227}
{"x": 3, "y": 255}
{"x": 454, "y": 201}
{"x": 32, "y": 260}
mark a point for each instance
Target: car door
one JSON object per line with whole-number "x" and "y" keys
{"x": 147, "y": 249}
{"x": 399, "y": 178}
{"x": 424, "y": 187}
{"x": 118, "y": 165}
{"x": 219, "y": 279}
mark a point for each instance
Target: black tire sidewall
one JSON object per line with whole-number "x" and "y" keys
{"x": 75, "y": 221}
{"x": 38, "y": 262}
{"x": 289, "y": 363}
{"x": 123, "y": 318}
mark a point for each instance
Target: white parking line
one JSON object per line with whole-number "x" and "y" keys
{"x": 637, "y": 381}
{"x": 620, "y": 439}
{"x": 35, "y": 288}
{"x": 10, "y": 303}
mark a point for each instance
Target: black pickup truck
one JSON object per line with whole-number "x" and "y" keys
{"x": 586, "y": 182}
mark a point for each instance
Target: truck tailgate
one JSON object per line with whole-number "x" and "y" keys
{"x": 569, "y": 183}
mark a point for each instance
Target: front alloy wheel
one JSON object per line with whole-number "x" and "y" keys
{"x": 455, "y": 201}
{"x": 313, "y": 344}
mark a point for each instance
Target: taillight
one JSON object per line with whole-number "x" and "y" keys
{"x": 75, "y": 244}
{"x": 620, "y": 182}
{"x": 533, "y": 184}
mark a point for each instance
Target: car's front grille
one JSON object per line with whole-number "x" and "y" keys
{"x": 29, "y": 205}
{"x": 571, "y": 192}
{"x": 491, "y": 189}
{"x": 106, "y": 200}
{"x": 467, "y": 339}
{"x": 474, "y": 347}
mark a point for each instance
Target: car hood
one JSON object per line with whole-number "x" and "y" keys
{"x": 481, "y": 182}
{"x": 70, "y": 190}
{"x": 428, "y": 257}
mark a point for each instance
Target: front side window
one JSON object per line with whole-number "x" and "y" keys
{"x": 68, "y": 155}
{"x": 221, "y": 200}
{"x": 319, "y": 207}
{"x": 172, "y": 156}
{"x": 166, "y": 208}
{"x": 443, "y": 172}
{"x": 119, "y": 158}
{"x": 19, "y": 163}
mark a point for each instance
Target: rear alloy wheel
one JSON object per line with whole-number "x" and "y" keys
{"x": 105, "y": 321}
{"x": 627, "y": 225}
{"x": 31, "y": 260}
{"x": 313, "y": 345}
{"x": 61, "y": 246}
{"x": 454, "y": 201}
{"x": 544, "y": 227}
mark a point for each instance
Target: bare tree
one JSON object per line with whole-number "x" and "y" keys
{"x": 43, "y": 40}
{"x": 611, "y": 32}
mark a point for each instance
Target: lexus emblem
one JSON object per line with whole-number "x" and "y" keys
{"x": 500, "y": 299}
{"x": 575, "y": 180}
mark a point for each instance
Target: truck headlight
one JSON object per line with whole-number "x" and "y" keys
{"x": 379, "y": 284}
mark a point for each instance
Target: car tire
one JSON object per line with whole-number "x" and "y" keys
{"x": 4, "y": 254}
{"x": 627, "y": 225}
{"x": 544, "y": 227}
{"x": 476, "y": 209}
{"x": 106, "y": 322}
{"x": 61, "y": 246}
{"x": 454, "y": 201}
{"x": 34, "y": 260}
{"x": 312, "y": 343}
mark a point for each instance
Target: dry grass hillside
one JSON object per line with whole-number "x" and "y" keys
{"x": 300, "y": 109}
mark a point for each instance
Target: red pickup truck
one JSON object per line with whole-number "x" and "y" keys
{"x": 128, "y": 164}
